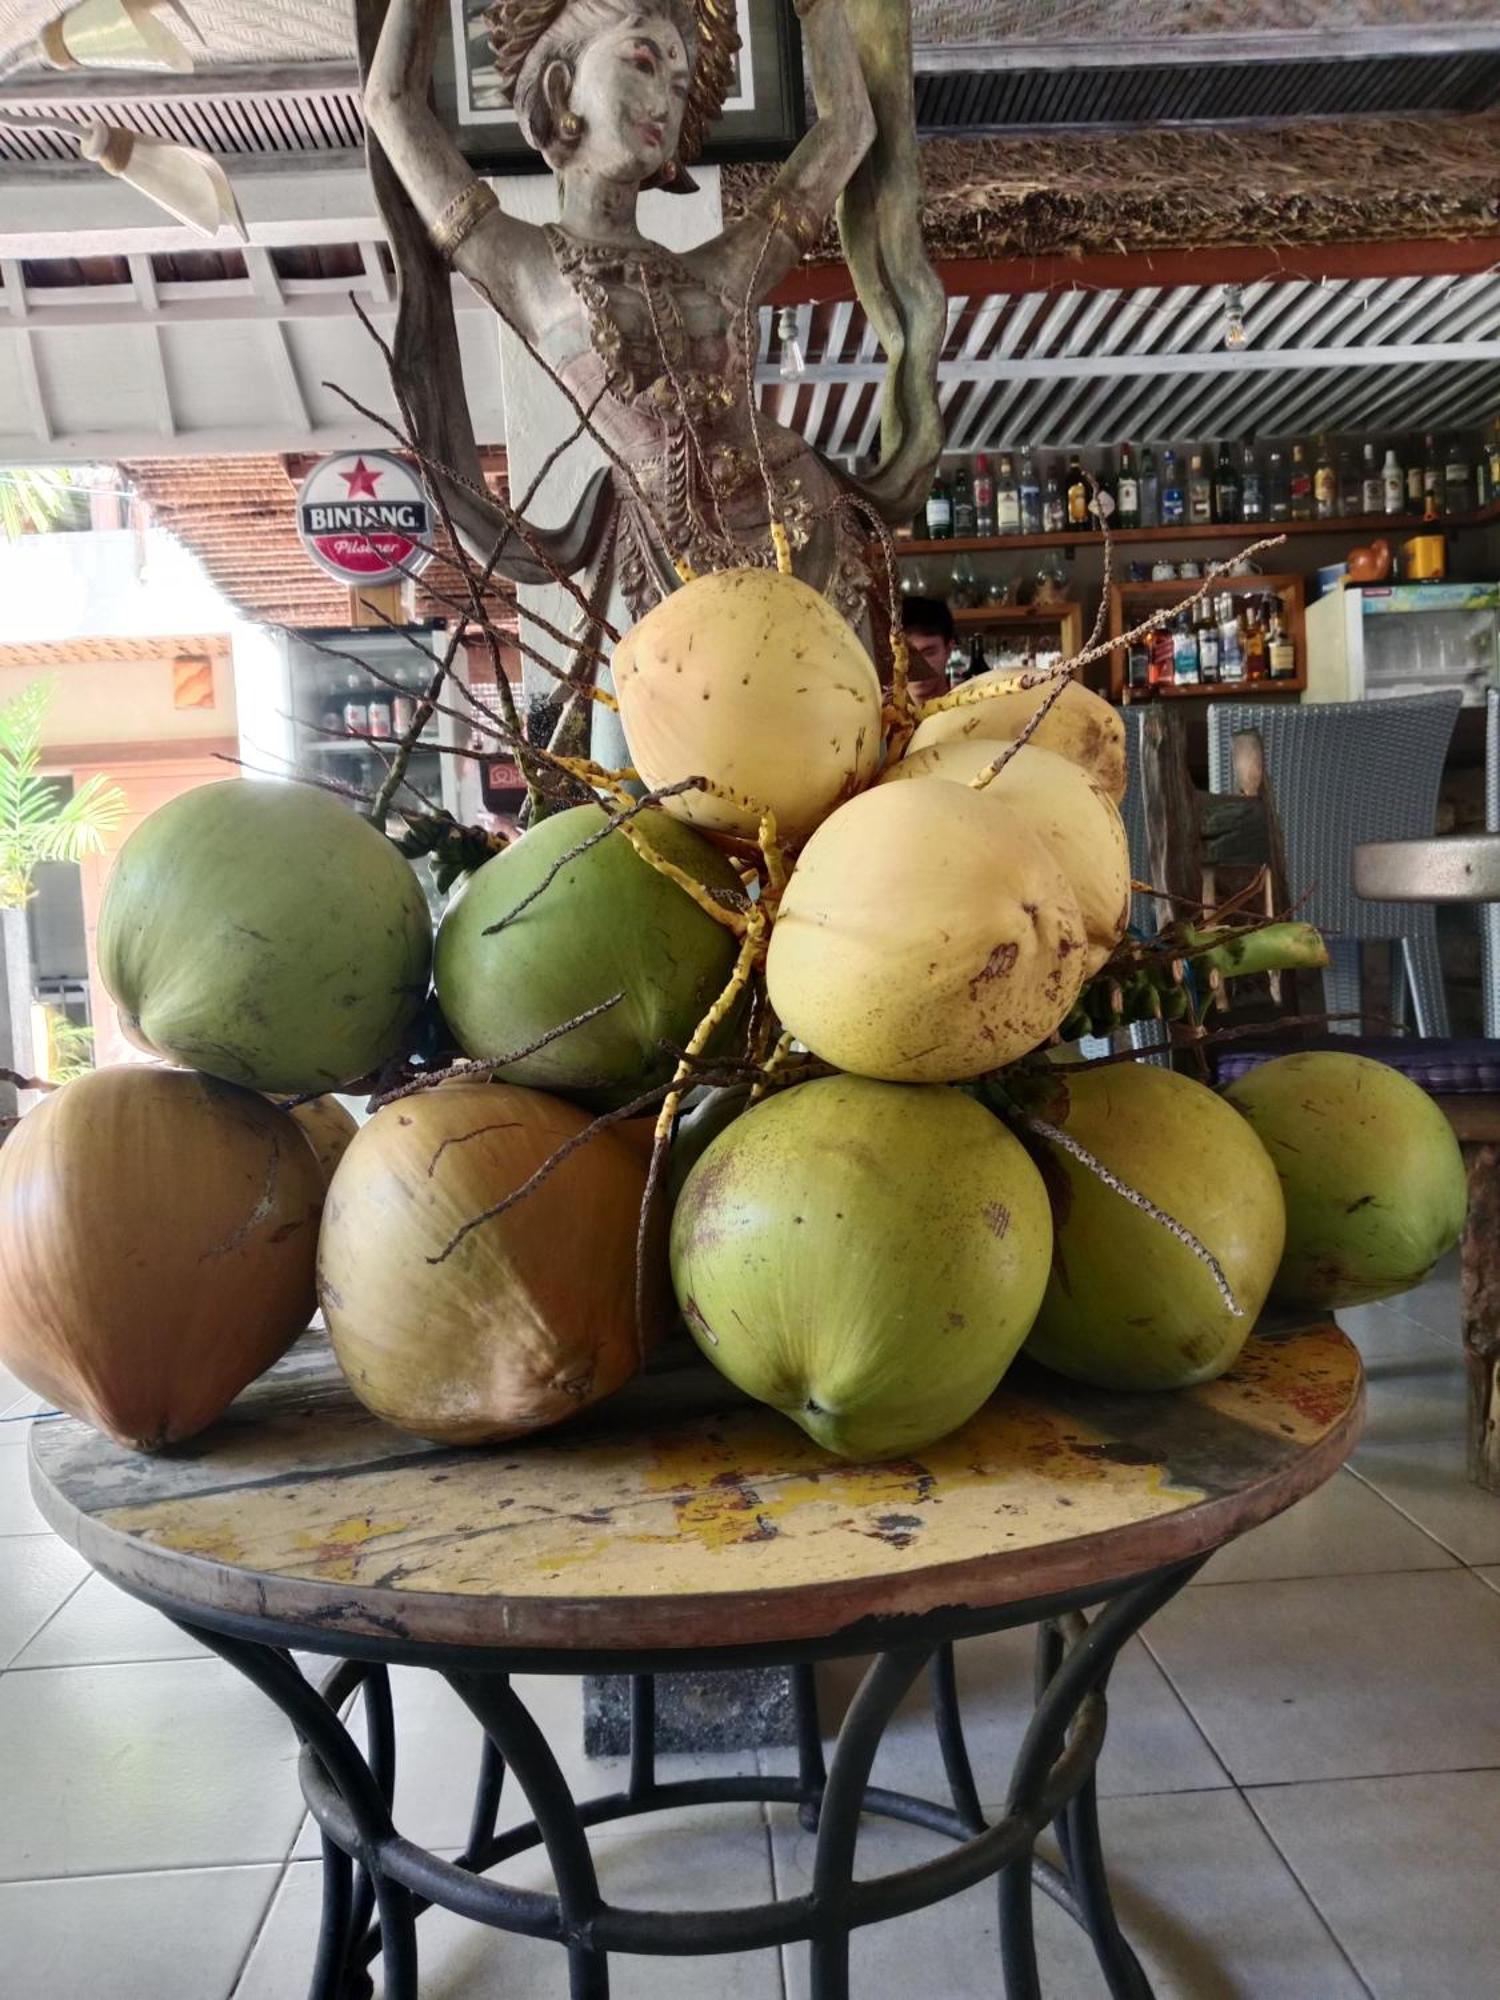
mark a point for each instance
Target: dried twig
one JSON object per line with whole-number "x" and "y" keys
{"x": 611, "y": 825}
{"x": 485, "y": 1066}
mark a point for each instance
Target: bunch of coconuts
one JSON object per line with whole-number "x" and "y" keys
{"x": 866, "y": 1250}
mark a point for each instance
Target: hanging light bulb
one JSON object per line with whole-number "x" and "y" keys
{"x": 185, "y": 182}
{"x": 115, "y": 34}
{"x": 793, "y": 362}
{"x": 1234, "y": 316}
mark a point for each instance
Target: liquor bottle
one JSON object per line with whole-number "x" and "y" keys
{"x": 1393, "y": 479}
{"x": 984, "y": 498}
{"x": 1416, "y": 483}
{"x": 1494, "y": 460}
{"x": 978, "y": 664}
{"x": 1054, "y": 507}
{"x": 1278, "y": 487}
{"x": 1208, "y": 644}
{"x": 1279, "y": 650}
{"x": 356, "y": 707}
{"x": 1200, "y": 493}
{"x": 1102, "y": 501}
{"x": 1127, "y": 492}
{"x": 1078, "y": 494}
{"x": 1351, "y": 486}
{"x": 1150, "y": 490}
{"x": 1301, "y": 484}
{"x": 1031, "y": 494}
{"x": 1371, "y": 486}
{"x": 1457, "y": 498}
{"x": 1161, "y": 657}
{"x": 1007, "y": 498}
{"x": 1432, "y": 480}
{"x": 1184, "y": 652}
{"x": 940, "y": 509}
{"x": 1252, "y": 486}
{"x": 1254, "y": 641}
{"x": 1231, "y": 647}
{"x": 1173, "y": 500}
{"x": 957, "y": 669}
{"x": 963, "y": 505}
{"x": 1227, "y": 491}
{"x": 1325, "y": 484}
{"x": 1138, "y": 666}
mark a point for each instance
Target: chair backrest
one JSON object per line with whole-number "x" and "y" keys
{"x": 1492, "y": 761}
{"x": 1341, "y": 773}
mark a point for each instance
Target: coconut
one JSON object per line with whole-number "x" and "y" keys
{"x": 607, "y": 923}
{"x": 266, "y": 934}
{"x": 328, "y": 1127}
{"x": 1129, "y": 1305}
{"x": 926, "y": 935}
{"x": 157, "y": 1237}
{"x": 1372, "y": 1174}
{"x": 864, "y": 1257}
{"x": 753, "y": 680}
{"x": 531, "y": 1317}
{"x": 1076, "y": 819}
{"x": 1080, "y": 725}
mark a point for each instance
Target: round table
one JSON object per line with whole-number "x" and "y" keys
{"x": 678, "y": 1526}
{"x": 1448, "y": 868}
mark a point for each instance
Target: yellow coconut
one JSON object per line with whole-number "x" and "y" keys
{"x": 1069, "y": 809}
{"x": 753, "y": 680}
{"x": 926, "y": 936}
{"x": 1080, "y": 726}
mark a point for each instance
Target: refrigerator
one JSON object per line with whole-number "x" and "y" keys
{"x": 1369, "y": 640}
{"x": 306, "y": 699}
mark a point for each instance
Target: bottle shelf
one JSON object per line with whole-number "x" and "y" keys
{"x": 1013, "y": 614}
{"x": 1295, "y": 684}
{"x": 1219, "y": 531}
{"x": 1128, "y": 600}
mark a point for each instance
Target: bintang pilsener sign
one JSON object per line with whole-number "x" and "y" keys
{"x": 365, "y": 518}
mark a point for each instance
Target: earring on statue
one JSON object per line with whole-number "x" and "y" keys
{"x": 668, "y": 172}
{"x": 570, "y": 125}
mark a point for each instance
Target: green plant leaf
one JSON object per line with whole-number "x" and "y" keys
{"x": 38, "y": 820}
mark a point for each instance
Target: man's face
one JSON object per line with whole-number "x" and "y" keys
{"x": 929, "y": 654}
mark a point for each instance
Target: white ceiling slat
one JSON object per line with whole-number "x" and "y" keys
{"x": 1133, "y": 312}
{"x": 1022, "y": 310}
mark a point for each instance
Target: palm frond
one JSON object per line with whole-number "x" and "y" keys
{"x": 38, "y": 820}
{"x": 31, "y": 499}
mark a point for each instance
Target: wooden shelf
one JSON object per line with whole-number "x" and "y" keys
{"x": 1287, "y": 586}
{"x": 1239, "y": 531}
{"x": 1012, "y": 614}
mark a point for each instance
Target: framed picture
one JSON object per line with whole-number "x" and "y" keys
{"x": 763, "y": 118}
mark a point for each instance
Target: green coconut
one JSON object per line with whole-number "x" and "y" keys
{"x": 266, "y": 934}
{"x": 1129, "y": 1305}
{"x": 865, "y": 1257}
{"x": 1372, "y": 1175}
{"x": 607, "y": 923}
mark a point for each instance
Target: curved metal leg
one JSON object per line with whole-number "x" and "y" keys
{"x": 526, "y": 1751}
{"x": 487, "y": 1790}
{"x": 642, "y": 1779}
{"x": 326, "y": 1739}
{"x": 950, "y": 1735}
{"x": 887, "y": 1680}
{"x": 812, "y": 1772}
{"x": 1121, "y": 1968}
{"x": 336, "y": 1931}
{"x": 1050, "y": 1647}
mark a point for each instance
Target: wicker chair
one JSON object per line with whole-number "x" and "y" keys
{"x": 1489, "y": 913}
{"x": 1341, "y": 773}
{"x": 1133, "y": 812}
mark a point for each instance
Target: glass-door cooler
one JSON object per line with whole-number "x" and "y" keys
{"x": 1369, "y": 640}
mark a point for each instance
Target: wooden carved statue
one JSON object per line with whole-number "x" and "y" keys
{"x": 658, "y": 347}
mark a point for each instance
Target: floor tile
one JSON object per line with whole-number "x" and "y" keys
{"x": 1211, "y": 1908}
{"x": 177, "y": 1936}
{"x": 1338, "y": 1677}
{"x": 1150, "y": 1732}
{"x": 1343, "y": 1529}
{"x": 16, "y": 1420}
{"x": 37, "y": 1575}
{"x": 168, "y": 1765}
{"x": 1403, "y": 1869}
{"x": 101, "y": 1624}
{"x": 1429, "y": 1481}
{"x": 19, "y": 1513}
{"x": 1436, "y": 1304}
{"x": 715, "y": 1859}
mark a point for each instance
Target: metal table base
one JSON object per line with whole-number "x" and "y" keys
{"x": 376, "y": 1883}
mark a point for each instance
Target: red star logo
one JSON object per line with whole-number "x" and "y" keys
{"x": 361, "y": 481}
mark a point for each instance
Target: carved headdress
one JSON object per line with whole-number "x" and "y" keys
{"x": 516, "y": 26}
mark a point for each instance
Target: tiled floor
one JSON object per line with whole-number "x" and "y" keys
{"x": 1301, "y": 1788}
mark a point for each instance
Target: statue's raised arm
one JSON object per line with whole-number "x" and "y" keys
{"x": 617, "y": 96}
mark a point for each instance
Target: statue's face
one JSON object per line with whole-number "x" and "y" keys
{"x": 630, "y": 88}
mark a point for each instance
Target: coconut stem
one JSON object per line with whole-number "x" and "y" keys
{"x": 1056, "y": 1137}
{"x": 1274, "y": 948}
{"x": 487, "y": 1066}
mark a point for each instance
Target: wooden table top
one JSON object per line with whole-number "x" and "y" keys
{"x": 679, "y": 1515}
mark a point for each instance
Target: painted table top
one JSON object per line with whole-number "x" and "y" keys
{"x": 680, "y": 1515}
